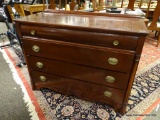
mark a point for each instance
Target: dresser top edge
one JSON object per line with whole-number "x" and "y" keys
{"x": 87, "y": 22}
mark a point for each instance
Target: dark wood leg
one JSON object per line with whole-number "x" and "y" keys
{"x": 158, "y": 41}
{"x": 156, "y": 15}
{"x": 52, "y": 4}
{"x": 131, "y": 4}
{"x": 120, "y": 108}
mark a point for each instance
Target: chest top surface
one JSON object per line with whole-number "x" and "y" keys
{"x": 87, "y": 21}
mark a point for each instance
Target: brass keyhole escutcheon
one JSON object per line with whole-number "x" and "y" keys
{"x": 110, "y": 79}
{"x": 42, "y": 78}
{"x": 112, "y": 61}
{"x": 115, "y": 42}
{"x": 35, "y": 48}
{"x": 107, "y": 94}
{"x": 39, "y": 65}
{"x": 33, "y": 32}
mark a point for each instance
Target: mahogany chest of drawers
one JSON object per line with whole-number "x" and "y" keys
{"x": 93, "y": 56}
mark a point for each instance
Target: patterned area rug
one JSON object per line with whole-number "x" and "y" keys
{"x": 144, "y": 92}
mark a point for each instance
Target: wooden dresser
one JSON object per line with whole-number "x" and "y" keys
{"x": 93, "y": 56}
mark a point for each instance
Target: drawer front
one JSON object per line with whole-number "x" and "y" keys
{"x": 80, "y": 54}
{"x": 84, "y": 90}
{"x": 99, "y": 39}
{"x": 90, "y": 74}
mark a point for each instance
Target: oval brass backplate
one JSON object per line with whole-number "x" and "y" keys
{"x": 33, "y": 32}
{"x": 110, "y": 79}
{"x": 42, "y": 78}
{"x": 115, "y": 42}
{"x": 39, "y": 65}
{"x": 35, "y": 48}
{"x": 107, "y": 94}
{"x": 112, "y": 61}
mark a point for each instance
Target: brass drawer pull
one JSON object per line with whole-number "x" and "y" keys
{"x": 115, "y": 42}
{"x": 107, "y": 94}
{"x": 33, "y": 32}
{"x": 110, "y": 79}
{"x": 112, "y": 61}
{"x": 42, "y": 78}
{"x": 35, "y": 48}
{"x": 39, "y": 65}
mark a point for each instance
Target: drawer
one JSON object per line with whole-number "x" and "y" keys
{"x": 81, "y": 89}
{"x": 75, "y": 71}
{"x": 83, "y": 37}
{"x": 87, "y": 55}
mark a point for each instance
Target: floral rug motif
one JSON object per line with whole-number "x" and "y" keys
{"x": 71, "y": 108}
{"x": 144, "y": 85}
